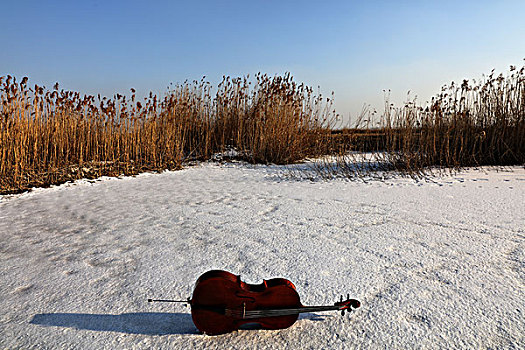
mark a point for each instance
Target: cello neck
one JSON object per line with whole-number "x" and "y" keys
{"x": 252, "y": 314}
{"x": 285, "y": 312}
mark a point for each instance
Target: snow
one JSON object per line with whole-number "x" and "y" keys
{"x": 435, "y": 264}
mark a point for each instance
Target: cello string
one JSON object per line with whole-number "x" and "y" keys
{"x": 283, "y": 312}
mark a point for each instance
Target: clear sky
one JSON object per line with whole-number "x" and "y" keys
{"x": 354, "y": 48}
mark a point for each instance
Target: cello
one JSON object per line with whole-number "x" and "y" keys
{"x": 222, "y": 303}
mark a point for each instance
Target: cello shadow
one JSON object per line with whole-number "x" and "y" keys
{"x": 148, "y": 323}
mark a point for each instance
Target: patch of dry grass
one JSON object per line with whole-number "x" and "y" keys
{"x": 471, "y": 124}
{"x": 52, "y": 136}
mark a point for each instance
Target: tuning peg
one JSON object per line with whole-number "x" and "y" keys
{"x": 341, "y": 298}
{"x": 348, "y": 296}
{"x": 343, "y": 312}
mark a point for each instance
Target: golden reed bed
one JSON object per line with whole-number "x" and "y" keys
{"x": 50, "y": 136}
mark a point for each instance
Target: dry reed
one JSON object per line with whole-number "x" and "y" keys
{"x": 466, "y": 125}
{"x": 52, "y": 136}
{"x": 471, "y": 124}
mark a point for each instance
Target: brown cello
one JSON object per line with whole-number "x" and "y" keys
{"x": 222, "y": 303}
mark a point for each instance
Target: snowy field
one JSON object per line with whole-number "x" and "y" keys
{"x": 435, "y": 264}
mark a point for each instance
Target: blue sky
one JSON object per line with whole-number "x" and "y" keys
{"x": 354, "y": 48}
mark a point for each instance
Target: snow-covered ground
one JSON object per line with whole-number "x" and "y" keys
{"x": 435, "y": 264}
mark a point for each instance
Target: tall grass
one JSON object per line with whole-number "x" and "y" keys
{"x": 52, "y": 136}
{"x": 470, "y": 124}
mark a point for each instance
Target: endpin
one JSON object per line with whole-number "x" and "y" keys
{"x": 186, "y": 302}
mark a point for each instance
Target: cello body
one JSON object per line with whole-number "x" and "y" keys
{"x": 220, "y": 300}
